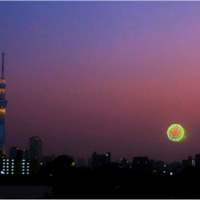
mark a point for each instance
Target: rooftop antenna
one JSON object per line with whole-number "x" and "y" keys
{"x": 2, "y": 65}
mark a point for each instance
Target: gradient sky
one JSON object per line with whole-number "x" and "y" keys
{"x": 102, "y": 76}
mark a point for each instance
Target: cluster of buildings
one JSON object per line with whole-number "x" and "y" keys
{"x": 141, "y": 163}
{"x": 23, "y": 161}
{"x": 161, "y": 167}
{"x": 19, "y": 162}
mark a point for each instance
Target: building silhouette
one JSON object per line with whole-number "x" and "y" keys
{"x": 188, "y": 162}
{"x": 25, "y": 154}
{"x": 80, "y": 162}
{"x": 197, "y": 159}
{"x": 160, "y": 166}
{"x": 35, "y": 148}
{"x": 15, "y": 152}
{"x": 123, "y": 163}
{"x": 143, "y": 164}
{"x": 3, "y": 104}
{"x": 98, "y": 160}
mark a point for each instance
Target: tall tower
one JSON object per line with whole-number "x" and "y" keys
{"x": 3, "y": 104}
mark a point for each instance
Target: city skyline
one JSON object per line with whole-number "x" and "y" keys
{"x": 35, "y": 141}
{"x": 102, "y": 76}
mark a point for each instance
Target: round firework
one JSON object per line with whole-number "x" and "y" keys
{"x": 175, "y": 132}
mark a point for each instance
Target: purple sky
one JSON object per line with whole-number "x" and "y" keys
{"x": 102, "y": 76}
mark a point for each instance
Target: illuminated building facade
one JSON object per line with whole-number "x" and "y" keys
{"x": 16, "y": 164}
{"x": 15, "y": 167}
{"x": 35, "y": 148}
{"x": 3, "y": 104}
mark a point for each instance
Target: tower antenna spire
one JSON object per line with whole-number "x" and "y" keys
{"x": 2, "y": 65}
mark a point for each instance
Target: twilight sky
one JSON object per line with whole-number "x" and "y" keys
{"x": 102, "y": 76}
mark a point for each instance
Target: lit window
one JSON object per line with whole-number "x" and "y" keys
{"x": 3, "y": 159}
{"x": 12, "y": 170}
{"x": 27, "y": 166}
{"x": 12, "y": 173}
{"x": 27, "y": 163}
{"x": 7, "y": 166}
{"x": 164, "y": 172}
{"x": 171, "y": 173}
{"x": 23, "y": 166}
{"x": 12, "y": 167}
{"x": 4, "y": 170}
{"x": 27, "y": 173}
{"x": 7, "y": 163}
{"x": 23, "y": 163}
{"x": 7, "y": 172}
{"x": 3, "y": 163}
{"x": 22, "y": 172}
{"x": 12, "y": 160}
{"x": 27, "y": 170}
{"x": 7, "y": 160}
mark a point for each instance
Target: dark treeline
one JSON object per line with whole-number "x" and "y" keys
{"x": 110, "y": 181}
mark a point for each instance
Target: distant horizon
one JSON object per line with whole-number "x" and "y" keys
{"x": 112, "y": 160}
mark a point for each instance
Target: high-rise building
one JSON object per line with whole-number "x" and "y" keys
{"x": 35, "y": 150}
{"x": 3, "y": 104}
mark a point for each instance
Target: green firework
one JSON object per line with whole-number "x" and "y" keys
{"x": 175, "y": 132}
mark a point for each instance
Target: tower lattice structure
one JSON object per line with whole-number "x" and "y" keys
{"x": 3, "y": 104}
